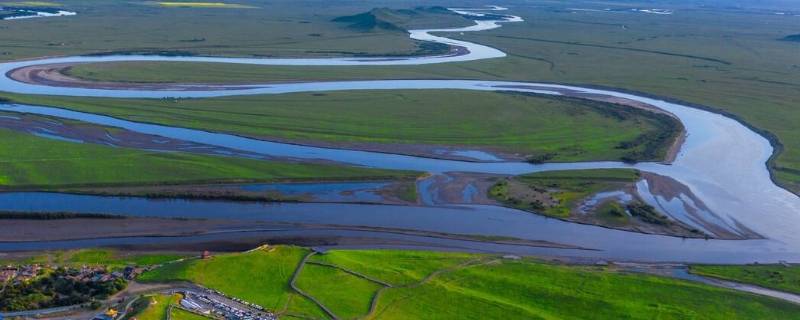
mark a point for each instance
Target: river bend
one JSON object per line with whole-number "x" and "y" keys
{"x": 721, "y": 161}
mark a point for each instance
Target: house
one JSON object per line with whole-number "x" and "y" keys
{"x": 7, "y": 273}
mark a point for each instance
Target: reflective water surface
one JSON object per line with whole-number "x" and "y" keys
{"x": 722, "y": 162}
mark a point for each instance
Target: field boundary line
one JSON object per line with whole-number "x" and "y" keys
{"x": 355, "y": 273}
{"x": 303, "y": 293}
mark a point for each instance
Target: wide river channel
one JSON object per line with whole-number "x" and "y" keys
{"x": 721, "y": 161}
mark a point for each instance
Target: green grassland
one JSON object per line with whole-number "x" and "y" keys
{"x": 566, "y": 187}
{"x": 258, "y": 276}
{"x": 238, "y": 28}
{"x": 33, "y": 162}
{"x": 462, "y": 286}
{"x": 346, "y": 295}
{"x": 406, "y": 267}
{"x": 726, "y": 57}
{"x": 559, "y": 129}
{"x": 778, "y": 277}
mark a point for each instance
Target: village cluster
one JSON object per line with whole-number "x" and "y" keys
{"x": 18, "y": 274}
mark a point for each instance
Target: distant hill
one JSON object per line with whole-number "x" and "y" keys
{"x": 793, "y": 37}
{"x": 391, "y": 19}
{"x": 434, "y": 9}
{"x": 379, "y": 18}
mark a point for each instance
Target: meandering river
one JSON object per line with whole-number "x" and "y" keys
{"x": 721, "y": 161}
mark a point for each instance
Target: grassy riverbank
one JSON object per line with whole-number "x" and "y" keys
{"x": 472, "y": 287}
{"x": 736, "y": 65}
{"x": 778, "y": 277}
{"x": 554, "y": 129}
{"x": 33, "y": 162}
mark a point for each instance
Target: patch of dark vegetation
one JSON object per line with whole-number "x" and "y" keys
{"x": 58, "y": 288}
{"x": 55, "y": 216}
{"x": 615, "y": 210}
{"x": 788, "y": 170}
{"x": 500, "y": 192}
{"x": 792, "y": 38}
{"x": 653, "y": 144}
{"x": 540, "y": 158}
{"x": 647, "y": 213}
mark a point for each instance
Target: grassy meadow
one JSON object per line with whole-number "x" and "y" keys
{"x": 258, "y": 276}
{"x": 558, "y": 129}
{"x": 726, "y": 56}
{"x": 434, "y": 285}
{"x": 223, "y": 28}
{"x": 28, "y": 161}
{"x": 346, "y": 295}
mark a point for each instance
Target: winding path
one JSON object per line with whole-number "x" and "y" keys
{"x": 721, "y": 161}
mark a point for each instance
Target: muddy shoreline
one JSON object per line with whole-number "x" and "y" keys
{"x": 24, "y": 231}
